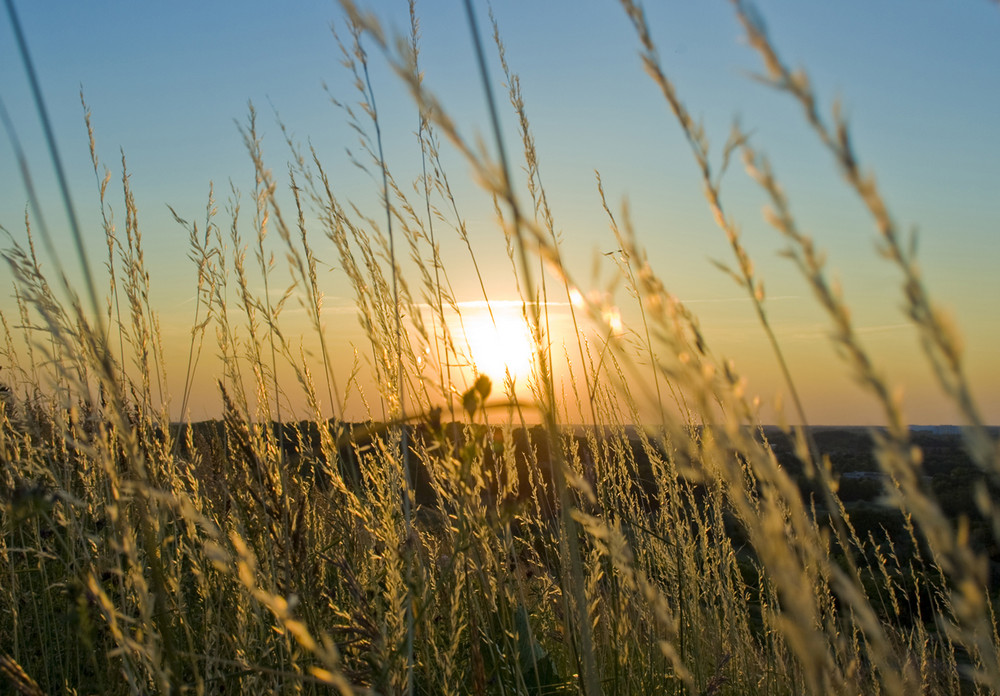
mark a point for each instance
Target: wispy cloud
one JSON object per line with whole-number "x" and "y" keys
{"x": 498, "y": 304}
{"x": 878, "y": 328}
{"x": 823, "y": 331}
{"x": 768, "y": 298}
{"x": 481, "y": 305}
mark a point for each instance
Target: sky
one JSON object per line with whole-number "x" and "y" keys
{"x": 168, "y": 85}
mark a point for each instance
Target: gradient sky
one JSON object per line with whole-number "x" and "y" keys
{"x": 919, "y": 80}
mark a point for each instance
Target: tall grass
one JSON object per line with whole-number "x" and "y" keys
{"x": 446, "y": 545}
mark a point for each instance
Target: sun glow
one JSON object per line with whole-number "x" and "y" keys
{"x": 500, "y": 344}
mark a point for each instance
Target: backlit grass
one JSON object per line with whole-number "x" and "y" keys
{"x": 467, "y": 537}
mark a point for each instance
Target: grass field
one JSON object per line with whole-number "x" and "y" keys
{"x": 471, "y": 540}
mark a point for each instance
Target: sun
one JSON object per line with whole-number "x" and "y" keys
{"x": 500, "y": 344}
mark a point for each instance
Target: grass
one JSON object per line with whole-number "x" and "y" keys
{"x": 447, "y": 545}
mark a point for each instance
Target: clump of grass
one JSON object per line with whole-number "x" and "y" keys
{"x": 439, "y": 547}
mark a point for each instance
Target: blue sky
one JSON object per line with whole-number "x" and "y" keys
{"x": 920, "y": 82}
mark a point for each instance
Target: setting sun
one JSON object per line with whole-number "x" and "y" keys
{"x": 499, "y": 344}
